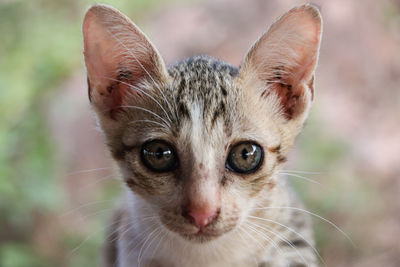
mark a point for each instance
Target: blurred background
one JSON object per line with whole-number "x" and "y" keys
{"x": 58, "y": 184}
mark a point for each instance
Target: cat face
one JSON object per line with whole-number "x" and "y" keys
{"x": 207, "y": 155}
{"x": 200, "y": 141}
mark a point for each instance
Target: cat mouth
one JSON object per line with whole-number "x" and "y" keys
{"x": 198, "y": 235}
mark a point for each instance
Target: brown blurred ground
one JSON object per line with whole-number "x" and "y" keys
{"x": 357, "y": 102}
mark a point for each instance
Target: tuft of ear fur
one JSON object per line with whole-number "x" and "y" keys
{"x": 283, "y": 60}
{"x": 119, "y": 58}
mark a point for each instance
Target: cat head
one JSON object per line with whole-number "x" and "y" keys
{"x": 201, "y": 141}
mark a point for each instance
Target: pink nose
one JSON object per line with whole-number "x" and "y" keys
{"x": 201, "y": 217}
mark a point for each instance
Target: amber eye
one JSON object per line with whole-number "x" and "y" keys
{"x": 245, "y": 157}
{"x": 159, "y": 156}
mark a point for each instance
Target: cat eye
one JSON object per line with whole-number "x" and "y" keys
{"x": 245, "y": 157}
{"x": 159, "y": 156}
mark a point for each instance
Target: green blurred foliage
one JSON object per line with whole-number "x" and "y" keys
{"x": 19, "y": 255}
{"x": 40, "y": 46}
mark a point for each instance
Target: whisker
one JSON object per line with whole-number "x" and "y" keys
{"x": 293, "y": 231}
{"x": 76, "y": 248}
{"x": 249, "y": 235}
{"x": 159, "y": 242}
{"x": 83, "y": 242}
{"x": 304, "y": 172}
{"x": 85, "y": 217}
{"x": 168, "y": 104}
{"x": 244, "y": 242}
{"x": 142, "y": 236}
{"x": 149, "y": 111}
{"x": 281, "y": 238}
{"x": 131, "y": 225}
{"x": 97, "y": 181}
{"x": 315, "y": 215}
{"x": 143, "y": 92}
{"x": 131, "y": 54}
{"x": 86, "y": 205}
{"x": 265, "y": 236}
{"x": 87, "y": 171}
{"x": 301, "y": 177}
{"x": 147, "y": 239}
{"x": 149, "y": 121}
{"x": 140, "y": 64}
{"x": 149, "y": 246}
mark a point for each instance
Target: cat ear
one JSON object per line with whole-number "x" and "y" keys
{"x": 119, "y": 58}
{"x": 284, "y": 59}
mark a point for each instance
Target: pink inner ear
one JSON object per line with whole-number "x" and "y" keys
{"x": 113, "y": 94}
{"x": 97, "y": 52}
{"x": 291, "y": 100}
{"x": 118, "y": 58}
{"x": 290, "y": 93}
{"x": 285, "y": 58}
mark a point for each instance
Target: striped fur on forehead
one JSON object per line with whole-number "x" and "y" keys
{"x": 208, "y": 83}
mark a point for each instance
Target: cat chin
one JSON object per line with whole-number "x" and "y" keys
{"x": 201, "y": 236}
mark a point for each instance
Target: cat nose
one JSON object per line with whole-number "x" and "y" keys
{"x": 201, "y": 217}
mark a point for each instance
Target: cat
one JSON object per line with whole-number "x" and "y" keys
{"x": 200, "y": 144}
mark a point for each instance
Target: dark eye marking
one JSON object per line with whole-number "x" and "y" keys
{"x": 159, "y": 156}
{"x": 245, "y": 157}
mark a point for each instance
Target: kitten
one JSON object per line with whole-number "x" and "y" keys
{"x": 200, "y": 144}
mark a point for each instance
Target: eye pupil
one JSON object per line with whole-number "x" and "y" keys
{"x": 245, "y": 154}
{"x": 159, "y": 153}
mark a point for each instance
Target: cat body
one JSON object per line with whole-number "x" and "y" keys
{"x": 200, "y": 145}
